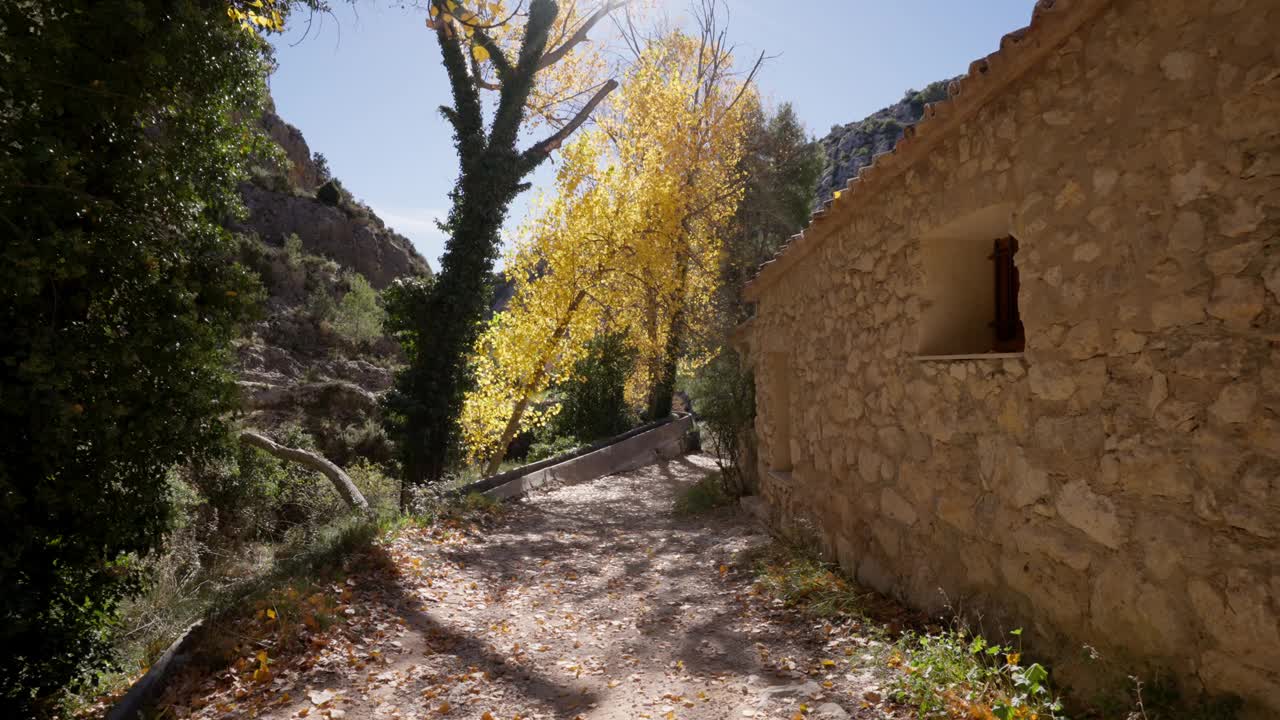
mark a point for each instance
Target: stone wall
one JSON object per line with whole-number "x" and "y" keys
{"x": 1119, "y": 483}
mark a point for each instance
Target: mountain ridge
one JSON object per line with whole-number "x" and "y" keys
{"x": 850, "y": 147}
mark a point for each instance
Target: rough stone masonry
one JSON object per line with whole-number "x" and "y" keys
{"x": 1116, "y": 483}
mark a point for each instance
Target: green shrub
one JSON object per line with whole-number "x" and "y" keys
{"x": 593, "y": 401}
{"x": 330, "y": 193}
{"x": 956, "y": 673}
{"x": 293, "y": 250}
{"x": 321, "y": 306}
{"x": 558, "y": 445}
{"x": 380, "y": 489}
{"x": 251, "y": 495}
{"x": 360, "y": 315}
{"x": 269, "y": 178}
{"x": 367, "y": 441}
{"x": 479, "y": 503}
{"x": 323, "y": 173}
{"x": 723, "y": 395}
{"x": 703, "y": 496}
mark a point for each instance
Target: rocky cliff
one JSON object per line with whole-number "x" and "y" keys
{"x": 313, "y": 244}
{"x": 850, "y": 147}
{"x": 298, "y": 197}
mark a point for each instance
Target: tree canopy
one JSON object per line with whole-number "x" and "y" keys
{"x": 121, "y": 144}
{"x": 630, "y": 240}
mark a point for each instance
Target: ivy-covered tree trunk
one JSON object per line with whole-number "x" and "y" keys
{"x": 455, "y": 308}
{"x": 428, "y": 397}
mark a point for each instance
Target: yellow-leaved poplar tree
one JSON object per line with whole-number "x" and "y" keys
{"x": 629, "y": 241}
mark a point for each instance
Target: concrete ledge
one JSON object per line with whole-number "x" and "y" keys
{"x": 975, "y": 356}
{"x": 149, "y": 685}
{"x": 503, "y": 478}
{"x": 627, "y": 452}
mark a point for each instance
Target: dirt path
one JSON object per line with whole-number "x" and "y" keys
{"x": 592, "y": 601}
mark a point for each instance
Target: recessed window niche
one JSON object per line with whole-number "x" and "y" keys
{"x": 971, "y": 286}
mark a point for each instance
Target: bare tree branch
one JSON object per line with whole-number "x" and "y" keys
{"x": 341, "y": 481}
{"x": 536, "y": 153}
{"x": 746, "y": 83}
{"x": 554, "y": 56}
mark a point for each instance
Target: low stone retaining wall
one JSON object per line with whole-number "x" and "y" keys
{"x": 629, "y": 451}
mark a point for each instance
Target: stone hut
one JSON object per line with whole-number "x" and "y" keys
{"x": 1028, "y": 363}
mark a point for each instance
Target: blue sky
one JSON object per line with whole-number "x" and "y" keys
{"x": 364, "y": 84}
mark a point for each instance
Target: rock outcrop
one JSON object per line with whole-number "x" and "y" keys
{"x": 303, "y": 172}
{"x": 349, "y": 234}
{"x": 848, "y": 148}
{"x": 295, "y": 365}
{"x": 283, "y": 201}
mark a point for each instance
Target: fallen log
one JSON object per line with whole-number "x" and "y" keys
{"x": 341, "y": 481}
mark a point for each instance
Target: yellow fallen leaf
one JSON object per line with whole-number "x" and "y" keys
{"x": 271, "y": 614}
{"x": 828, "y": 663}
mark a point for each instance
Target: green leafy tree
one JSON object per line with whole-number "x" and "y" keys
{"x": 407, "y": 301}
{"x": 359, "y": 317}
{"x": 482, "y": 48}
{"x": 782, "y": 165}
{"x": 119, "y": 156}
{"x": 323, "y": 173}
